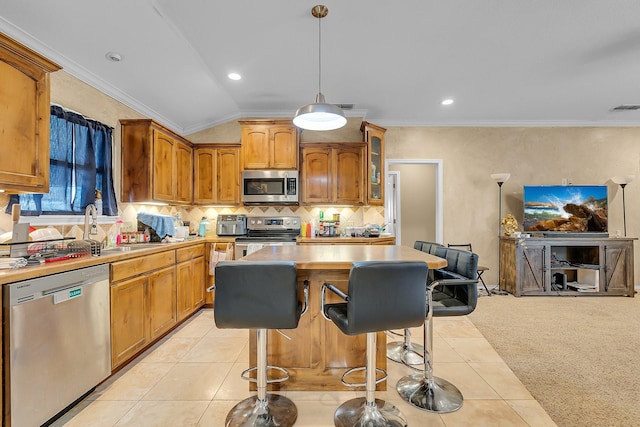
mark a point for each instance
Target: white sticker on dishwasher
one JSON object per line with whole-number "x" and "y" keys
{"x": 66, "y": 295}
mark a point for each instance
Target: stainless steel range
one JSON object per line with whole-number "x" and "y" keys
{"x": 268, "y": 231}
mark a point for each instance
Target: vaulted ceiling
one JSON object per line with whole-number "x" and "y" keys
{"x": 503, "y": 62}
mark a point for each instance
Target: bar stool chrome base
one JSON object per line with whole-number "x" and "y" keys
{"x": 275, "y": 410}
{"x": 357, "y": 413}
{"x": 432, "y": 394}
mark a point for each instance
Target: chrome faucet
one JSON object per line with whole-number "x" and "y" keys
{"x": 93, "y": 212}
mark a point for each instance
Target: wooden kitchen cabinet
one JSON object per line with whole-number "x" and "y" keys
{"x": 24, "y": 121}
{"x": 216, "y": 175}
{"x": 143, "y": 303}
{"x": 162, "y": 301}
{"x": 333, "y": 173}
{"x": 190, "y": 277}
{"x": 129, "y": 319}
{"x": 269, "y": 144}
{"x": 373, "y": 136}
{"x": 157, "y": 164}
{"x": 184, "y": 173}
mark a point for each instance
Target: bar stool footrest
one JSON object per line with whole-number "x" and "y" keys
{"x": 362, "y": 368}
{"x": 245, "y": 374}
{"x": 401, "y": 353}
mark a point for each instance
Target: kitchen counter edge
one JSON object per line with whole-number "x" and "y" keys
{"x": 25, "y": 273}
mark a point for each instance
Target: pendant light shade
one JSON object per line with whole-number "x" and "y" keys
{"x": 319, "y": 115}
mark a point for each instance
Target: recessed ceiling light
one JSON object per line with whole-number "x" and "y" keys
{"x": 447, "y": 101}
{"x": 114, "y": 56}
{"x": 234, "y": 76}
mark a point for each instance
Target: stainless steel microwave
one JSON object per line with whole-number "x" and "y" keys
{"x": 270, "y": 187}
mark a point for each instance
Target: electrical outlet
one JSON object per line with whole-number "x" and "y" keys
{"x": 565, "y": 181}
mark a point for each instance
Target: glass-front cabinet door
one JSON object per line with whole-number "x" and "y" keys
{"x": 373, "y": 135}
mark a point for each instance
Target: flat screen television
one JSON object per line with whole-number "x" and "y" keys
{"x": 563, "y": 209}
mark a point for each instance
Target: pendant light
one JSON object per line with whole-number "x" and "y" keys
{"x": 319, "y": 115}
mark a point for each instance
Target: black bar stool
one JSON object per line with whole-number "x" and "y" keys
{"x": 445, "y": 297}
{"x": 406, "y": 351}
{"x": 262, "y": 296}
{"x": 381, "y": 296}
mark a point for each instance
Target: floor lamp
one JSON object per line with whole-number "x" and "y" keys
{"x": 500, "y": 178}
{"x": 622, "y": 181}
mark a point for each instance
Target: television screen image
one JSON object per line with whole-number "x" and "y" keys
{"x": 565, "y": 208}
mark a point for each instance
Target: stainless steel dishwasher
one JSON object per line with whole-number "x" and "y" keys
{"x": 57, "y": 342}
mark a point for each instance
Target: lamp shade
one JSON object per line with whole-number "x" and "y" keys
{"x": 500, "y": 177}
{"x": 319, "y": 116}
{"x": 623, "y": 179}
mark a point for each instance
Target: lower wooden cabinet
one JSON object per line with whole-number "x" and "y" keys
{"x": 150, "y": 294}
{"x": 162, "y": 301}
{"x": 190, "y": 277}
{"x": 129, "y": 319}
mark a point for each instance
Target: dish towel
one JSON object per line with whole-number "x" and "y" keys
{"x": 163, "y": 224}
{"x": 252, "y": 247}
{"x": 217, "y": 255}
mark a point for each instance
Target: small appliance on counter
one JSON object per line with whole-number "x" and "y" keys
{"x": 231, "y": 225}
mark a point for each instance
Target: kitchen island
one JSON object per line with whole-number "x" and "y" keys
{"x": 318, "y": 353}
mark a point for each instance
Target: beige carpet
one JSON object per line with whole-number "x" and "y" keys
{"x": 578, "y": 356}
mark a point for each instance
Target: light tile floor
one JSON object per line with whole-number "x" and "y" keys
{"x": 192, "y": 378}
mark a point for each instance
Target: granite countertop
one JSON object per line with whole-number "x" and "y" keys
{"x": 106, "y": 257}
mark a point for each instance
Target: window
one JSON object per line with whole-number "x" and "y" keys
{"x": 80, "y": 165}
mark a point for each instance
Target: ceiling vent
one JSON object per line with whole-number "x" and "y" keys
{"x": 626, "y": 107}
{"x": 345, "y": 106}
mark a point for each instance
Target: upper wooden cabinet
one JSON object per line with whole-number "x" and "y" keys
{"x": 217, "y": 174}
{"x": 333, "y": 173}
{"x": 269, "y": 144}
{"x": 157, "y": 164}
{"x": 373, "y": 135}
{"x": 24, "y": 118}
{"x": 184, "y": 172}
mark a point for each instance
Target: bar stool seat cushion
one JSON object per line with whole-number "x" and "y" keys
{"x": 263, "y": 295}
{"x": 374, "y": 305}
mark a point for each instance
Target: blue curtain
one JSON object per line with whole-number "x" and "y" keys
{"x": 80, "y": 164}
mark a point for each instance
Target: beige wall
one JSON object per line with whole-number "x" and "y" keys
{"x": 536, "y": 155}
{"x": 417, "y": 203}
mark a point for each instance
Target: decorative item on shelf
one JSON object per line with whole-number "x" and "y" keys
{"x": 509, "y": 224}
{"x": 622, "y": 181}
{"x": 319, "y": 115}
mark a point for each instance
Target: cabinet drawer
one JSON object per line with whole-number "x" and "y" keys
{"x": 133, "y": 267}
{"x": 186, "y": 254}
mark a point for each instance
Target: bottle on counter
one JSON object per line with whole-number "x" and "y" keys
{"x": 203, "y": 227}
{"x": 119, "y": 224}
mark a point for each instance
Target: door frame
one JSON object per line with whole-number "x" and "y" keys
{"x": 438, "y": 163}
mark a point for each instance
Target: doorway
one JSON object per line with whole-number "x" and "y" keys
{"x": 413, "y": 200}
